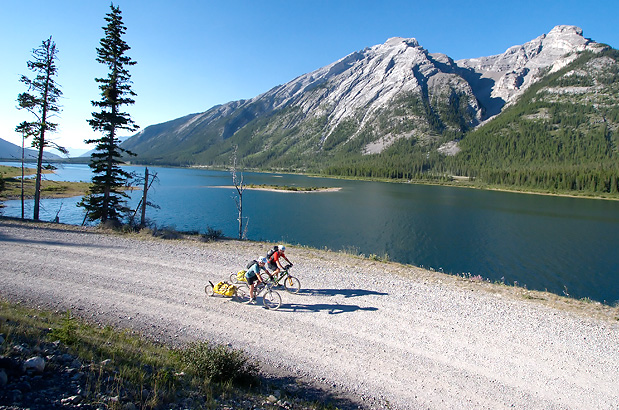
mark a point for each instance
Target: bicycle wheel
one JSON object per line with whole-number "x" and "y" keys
{"x": 292, "y": 284}
{"x": 241, "y": 295}
{"x": 264, "y": 277}
{"x": 208, "y": 289}
{"x": 271, "y": 299}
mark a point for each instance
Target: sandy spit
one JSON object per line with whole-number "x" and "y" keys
{"x": 287, "y": 191}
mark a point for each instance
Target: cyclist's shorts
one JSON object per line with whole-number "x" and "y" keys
{"x": 252, "y": 279}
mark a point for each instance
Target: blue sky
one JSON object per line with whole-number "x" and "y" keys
{"x": 194, "y": 54}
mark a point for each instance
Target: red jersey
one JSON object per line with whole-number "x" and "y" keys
{"x": 275, "y": 257}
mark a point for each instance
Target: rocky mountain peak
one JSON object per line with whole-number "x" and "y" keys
{"x": 567, "y": 31}
{"x": 364, "y": 80}
{"x": 399, "y": 41}
{"x": 512, "y": 72}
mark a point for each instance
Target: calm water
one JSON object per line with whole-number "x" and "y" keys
{"x": 546, "y": 243}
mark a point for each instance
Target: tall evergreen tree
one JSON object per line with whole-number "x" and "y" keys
{"x": 106, "y": 198}
{"x": 41, "y": 100}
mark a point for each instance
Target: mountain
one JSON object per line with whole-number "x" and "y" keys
{"x": 392, "y": 110}
{"x": 11, "y": 151}
{"x": 560, "y": 134}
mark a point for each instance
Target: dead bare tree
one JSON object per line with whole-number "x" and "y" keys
{"x": 237, "y": 180}
{"x": 148, "y": 181}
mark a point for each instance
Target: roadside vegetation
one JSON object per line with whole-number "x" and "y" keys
{"x": 124, "y": 370}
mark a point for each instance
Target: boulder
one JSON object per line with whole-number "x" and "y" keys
{"x": 36, "y": 363}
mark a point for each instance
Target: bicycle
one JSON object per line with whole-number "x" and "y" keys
{"x": 291, "y": 283}
{"x": 239, "y": 277}
{"x": 271, "y": 299}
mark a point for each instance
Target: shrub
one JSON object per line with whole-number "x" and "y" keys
{"x": 166, "y": 232}
{"x": 212, "y": 234}
{"x": 67, "y": 331}
{"x": 384, "y": 258}
{"x": 218, "y": 364}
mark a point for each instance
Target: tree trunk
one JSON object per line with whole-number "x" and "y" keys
{"x": 240, "y": 214}
{"x": 37, "y": 187}
{"x": 105, "y": 211}
{"x": 143, "y": 219}
{"x": 22, "y": 176}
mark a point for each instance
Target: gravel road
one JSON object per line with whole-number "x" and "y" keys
{"x": 387, "y": 335}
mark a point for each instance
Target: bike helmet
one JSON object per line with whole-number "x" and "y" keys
{"x": 282, "y": 248}
{"x": 262, "y": 260}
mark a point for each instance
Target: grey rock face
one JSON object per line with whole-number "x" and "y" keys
{"x": 512, "y": 72}
{"x": 362, "y": 83}
{"x": 372, "y": 91}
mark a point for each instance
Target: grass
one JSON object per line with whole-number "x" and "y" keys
{"x": 169, "y": 232}
{"x": 49, "y": 189}
{"x": 155, "y": 375}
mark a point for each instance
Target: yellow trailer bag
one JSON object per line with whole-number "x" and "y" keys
{"x": 224, "y": 288}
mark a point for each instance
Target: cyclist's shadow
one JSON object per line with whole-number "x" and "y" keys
{"x": 347, "y": 293}
{"x": 330, "y": 308}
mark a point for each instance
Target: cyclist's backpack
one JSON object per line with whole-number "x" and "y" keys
{"x": 271, "y": 252}
{"x": 224, "y": 288}
{"x": 251, "y": 263}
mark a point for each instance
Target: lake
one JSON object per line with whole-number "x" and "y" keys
{"x": 563, "y": 245}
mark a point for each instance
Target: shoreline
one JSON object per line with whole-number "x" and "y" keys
{"x": 515, "y": 191}
{"x": 420, "y": 182}
{"x": 469, "y": 186}
{"x": 462, "y": 184}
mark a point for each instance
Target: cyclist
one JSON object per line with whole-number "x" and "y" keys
{"x": 275, "y": 266}
{"x": 252, "y": 275}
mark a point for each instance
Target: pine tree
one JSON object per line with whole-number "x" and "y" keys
{"x": 106, "y": 198}
{"x": 43, "y": 104}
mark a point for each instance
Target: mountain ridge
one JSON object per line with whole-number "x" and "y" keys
{"x": 11, "y": 151}
{"x": 393, "y": 100}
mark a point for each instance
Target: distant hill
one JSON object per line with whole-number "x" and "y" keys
{"x": 88, "y": 153}
{"x": 10, "y": 151}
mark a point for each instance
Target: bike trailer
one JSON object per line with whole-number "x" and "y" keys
{"x": 240, "y": 276}
{"x": 225, "y": 289}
